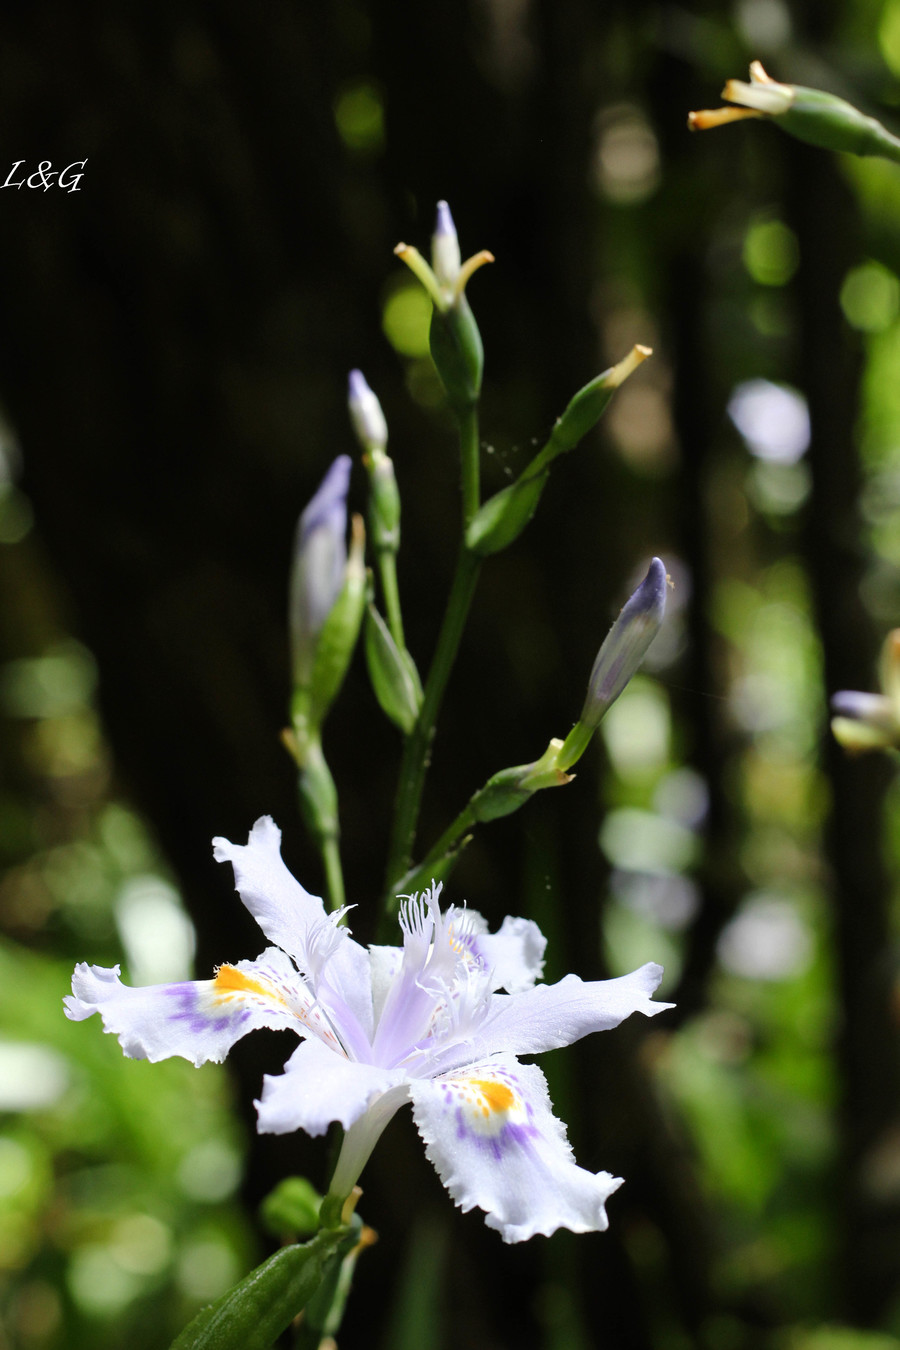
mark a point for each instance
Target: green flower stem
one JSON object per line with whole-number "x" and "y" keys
{"x": 387, "y": 571}
{"x": 471, "y": 462}
{"x": 417, "y": 748}
{"x": 334, "y": 874}
{"x": 450, "y": 841}
{"x": 319, "y": 808}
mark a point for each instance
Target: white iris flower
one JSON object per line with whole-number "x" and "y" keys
{"x": 422, "y": 1023}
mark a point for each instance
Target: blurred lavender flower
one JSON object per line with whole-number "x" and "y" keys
{"x": 871, "y": 721}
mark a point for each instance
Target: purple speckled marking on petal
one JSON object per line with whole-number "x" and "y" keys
{"x": 189, "y": 1011}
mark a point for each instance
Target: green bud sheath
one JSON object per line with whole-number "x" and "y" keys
{"x": 457, "y": 352}
{"x": 504, "y": 516}
{"x": 511, "y": 788}
{"x": 392, "y": 671}
{"x": 832, "y": 124}
{"x": 340, "y": 630}
{"x": 292, "y": 1208}
{"x": 384, "y": 503}
{"x": 253, "y": 1314}
{"x": 587, "y": 407}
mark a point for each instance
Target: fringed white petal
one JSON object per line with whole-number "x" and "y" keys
{"x": 199, "y": 1020}
{"x": 553, "y": 1015}
{"x": 515, "y": 955}
{"x": 318, "y": 1087}
{"x": 492, "y": 1136}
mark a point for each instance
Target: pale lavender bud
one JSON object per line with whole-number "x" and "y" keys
{"x": 365, "y": 413}
{"x": 625, "y": 644}
{"x": 320, "y": 560}
{"x": 445, "y": 255}
{"x": 617, "y": 660}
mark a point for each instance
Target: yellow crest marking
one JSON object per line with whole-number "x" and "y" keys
{"x": 496, "y": 1096}
{"x": 231, "y": 981}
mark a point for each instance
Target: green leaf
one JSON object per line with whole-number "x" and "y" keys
{"x": 392, "y": 671}
{"x": 253, "y": 1314}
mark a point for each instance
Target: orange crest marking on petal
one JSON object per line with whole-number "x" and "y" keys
{"x": 231, "y": 981}
{"x": 496, "y": 1097}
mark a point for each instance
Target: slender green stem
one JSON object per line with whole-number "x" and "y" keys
{"x": 451, "y": 841}
{"x": 387, "y": 570}
{"x": 471, "y": 462}
{"x": 417, "y": 749}
{"x": 334, "y": 875}
{"x": 451, "y": 836}
{"x": 319, "y": 807}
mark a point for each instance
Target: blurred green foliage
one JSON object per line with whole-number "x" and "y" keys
{"x": 117, "y": 1177}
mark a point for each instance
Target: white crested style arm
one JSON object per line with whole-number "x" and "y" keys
{"x": 198, "y": 1020}
{"x": 491, "y": 1134}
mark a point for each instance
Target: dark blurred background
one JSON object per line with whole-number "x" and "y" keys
{"x": 174, "y": 342}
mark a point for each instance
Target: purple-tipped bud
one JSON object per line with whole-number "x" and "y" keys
{"x": 320, "y": 560}
{"x": 365, "y": 413}
{"x": 622, "y": 652}
{"x": 626, "y": 643}
{"x": 446, "y": 259}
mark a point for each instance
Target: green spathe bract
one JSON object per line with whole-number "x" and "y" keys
{"x": 504, "y": 516}
{"x": 253, "y": 1314}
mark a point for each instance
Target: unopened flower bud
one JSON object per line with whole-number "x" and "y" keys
{"x": 445, "y": 255}
{"x": 620, "y": 655}
{"x": 340, "y": 630}
{"x": 454, "y": 337}
{"x": 327, "y": 597}
{"x": 320, "y": 558}
{"x": 365, "y": 414}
